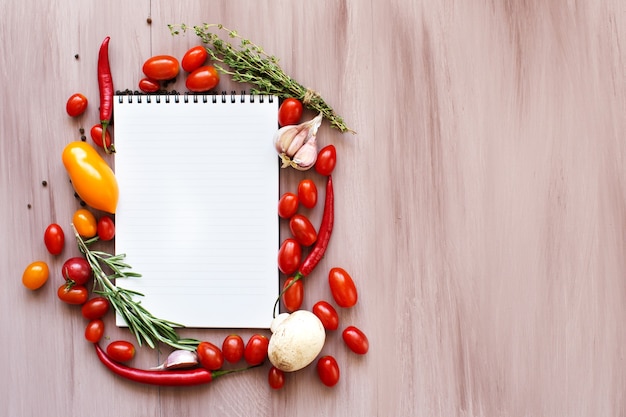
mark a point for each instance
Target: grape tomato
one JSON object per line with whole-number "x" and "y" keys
{"x": 194, "y": 58}
{"x": 307, "y": 193}
{"x": 290, "y": 112}
{"x": 54, "y": 239}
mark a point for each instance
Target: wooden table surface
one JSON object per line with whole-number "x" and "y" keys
{"x": 481, "y": 208}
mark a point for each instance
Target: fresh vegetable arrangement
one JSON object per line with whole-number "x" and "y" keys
{"x": 298, "y": 335}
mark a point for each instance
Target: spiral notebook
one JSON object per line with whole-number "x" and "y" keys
{"x": 198, "y": 179}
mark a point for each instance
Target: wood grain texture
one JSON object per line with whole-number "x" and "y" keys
{"x": 480, "y": 207}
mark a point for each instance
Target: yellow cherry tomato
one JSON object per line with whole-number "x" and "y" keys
{"x": 85, "y": 223}
{"x": 35, "y": 275}
{"x": 92, "y": 178}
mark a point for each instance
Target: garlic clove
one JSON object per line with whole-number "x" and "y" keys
{"x": 297, "y": 142}
{"x": 284, "y": 136}
{"x": 180, "y": 359}
{"x": 306, "y": 156}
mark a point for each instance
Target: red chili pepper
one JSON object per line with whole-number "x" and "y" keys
{"x": 178, "y": 378}
{"x": 323, "y": 237}
{"x": 105, "y": 82}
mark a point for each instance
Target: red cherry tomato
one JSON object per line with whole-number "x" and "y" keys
{"x": 76, "y": 270}
{"x": 76, "y": 294}
{"x": 288, "y": 205}
{"x": 95, "y": 308}
{"x": 356, "y": 340}
{"x": 256, "y": 349}
{"x": 293, "y": 296}
{"x": 54, "y": 239}
{"x": 203, "y": 79}
{"x": 232, "y": 348}
{"x": 328, "y": 370}
{"x": 35, "y": 275}
{"x": 149, "y": 86}
{"x": 121, "y": 351}
{"x": 106, "y": 228}
{"x": 161, "y": 67}
{"x": 276, "y": 378}
{"x": 302, "y": 230}
{"x": 327, "y": 315}
{"x": 326, "y": 160}
{"x": 342, "y": 287}
{"x": 76, "y": 105}
{"x": 194, "y": 58}
{"x": 289, "y": 256}
{"x": 307, "y": 193}
{"x": 96, "y": 135}
{"x": 94, "y": 331}
{"x": 210, "y": 356}
{"x": 290, "y": 112}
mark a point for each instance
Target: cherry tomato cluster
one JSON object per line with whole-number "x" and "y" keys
{"x": 342, "y": 286}
{"x": 233, "y": 350}
{"x": 344, "y": 294}
{"x": 161, "y": 69}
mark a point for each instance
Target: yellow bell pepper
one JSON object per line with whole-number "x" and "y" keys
{"x": 92, "y": 178}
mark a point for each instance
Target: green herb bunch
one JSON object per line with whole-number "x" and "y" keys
{"x": 142, "y": 324}
{"x": 249, "y": 63}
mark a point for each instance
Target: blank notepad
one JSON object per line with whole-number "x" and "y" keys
{"x": 198, "y": 179}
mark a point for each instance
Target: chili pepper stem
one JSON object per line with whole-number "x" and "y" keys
{"x": 107, "y": 149}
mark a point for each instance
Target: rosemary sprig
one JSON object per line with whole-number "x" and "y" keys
{"x": 249, "y": 63}
{"x": 142, "y": 324}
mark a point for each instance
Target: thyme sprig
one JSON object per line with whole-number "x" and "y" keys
{"x": 247, "y": 62}
{"x": 141, "y": 323}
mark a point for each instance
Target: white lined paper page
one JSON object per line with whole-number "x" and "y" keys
{"x": 197, "y": 209}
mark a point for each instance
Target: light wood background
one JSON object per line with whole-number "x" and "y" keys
{"x": 481, "y": 208}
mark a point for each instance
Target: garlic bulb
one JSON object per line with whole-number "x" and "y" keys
{"x": 297, "y": 144}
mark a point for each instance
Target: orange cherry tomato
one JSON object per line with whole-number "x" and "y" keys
{"x": 35, "y": 275}
{"x": 203, "y": 79}
{"x": 76, "y": 105}
{"x": 85, "y": 223}
{"x": 194, "y": 58}
{"x": 161, "y": 67}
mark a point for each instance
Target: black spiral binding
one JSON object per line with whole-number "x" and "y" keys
{"x": 223, "y": 97}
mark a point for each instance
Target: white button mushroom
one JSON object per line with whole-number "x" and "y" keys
{"x": 296, "y": 341}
